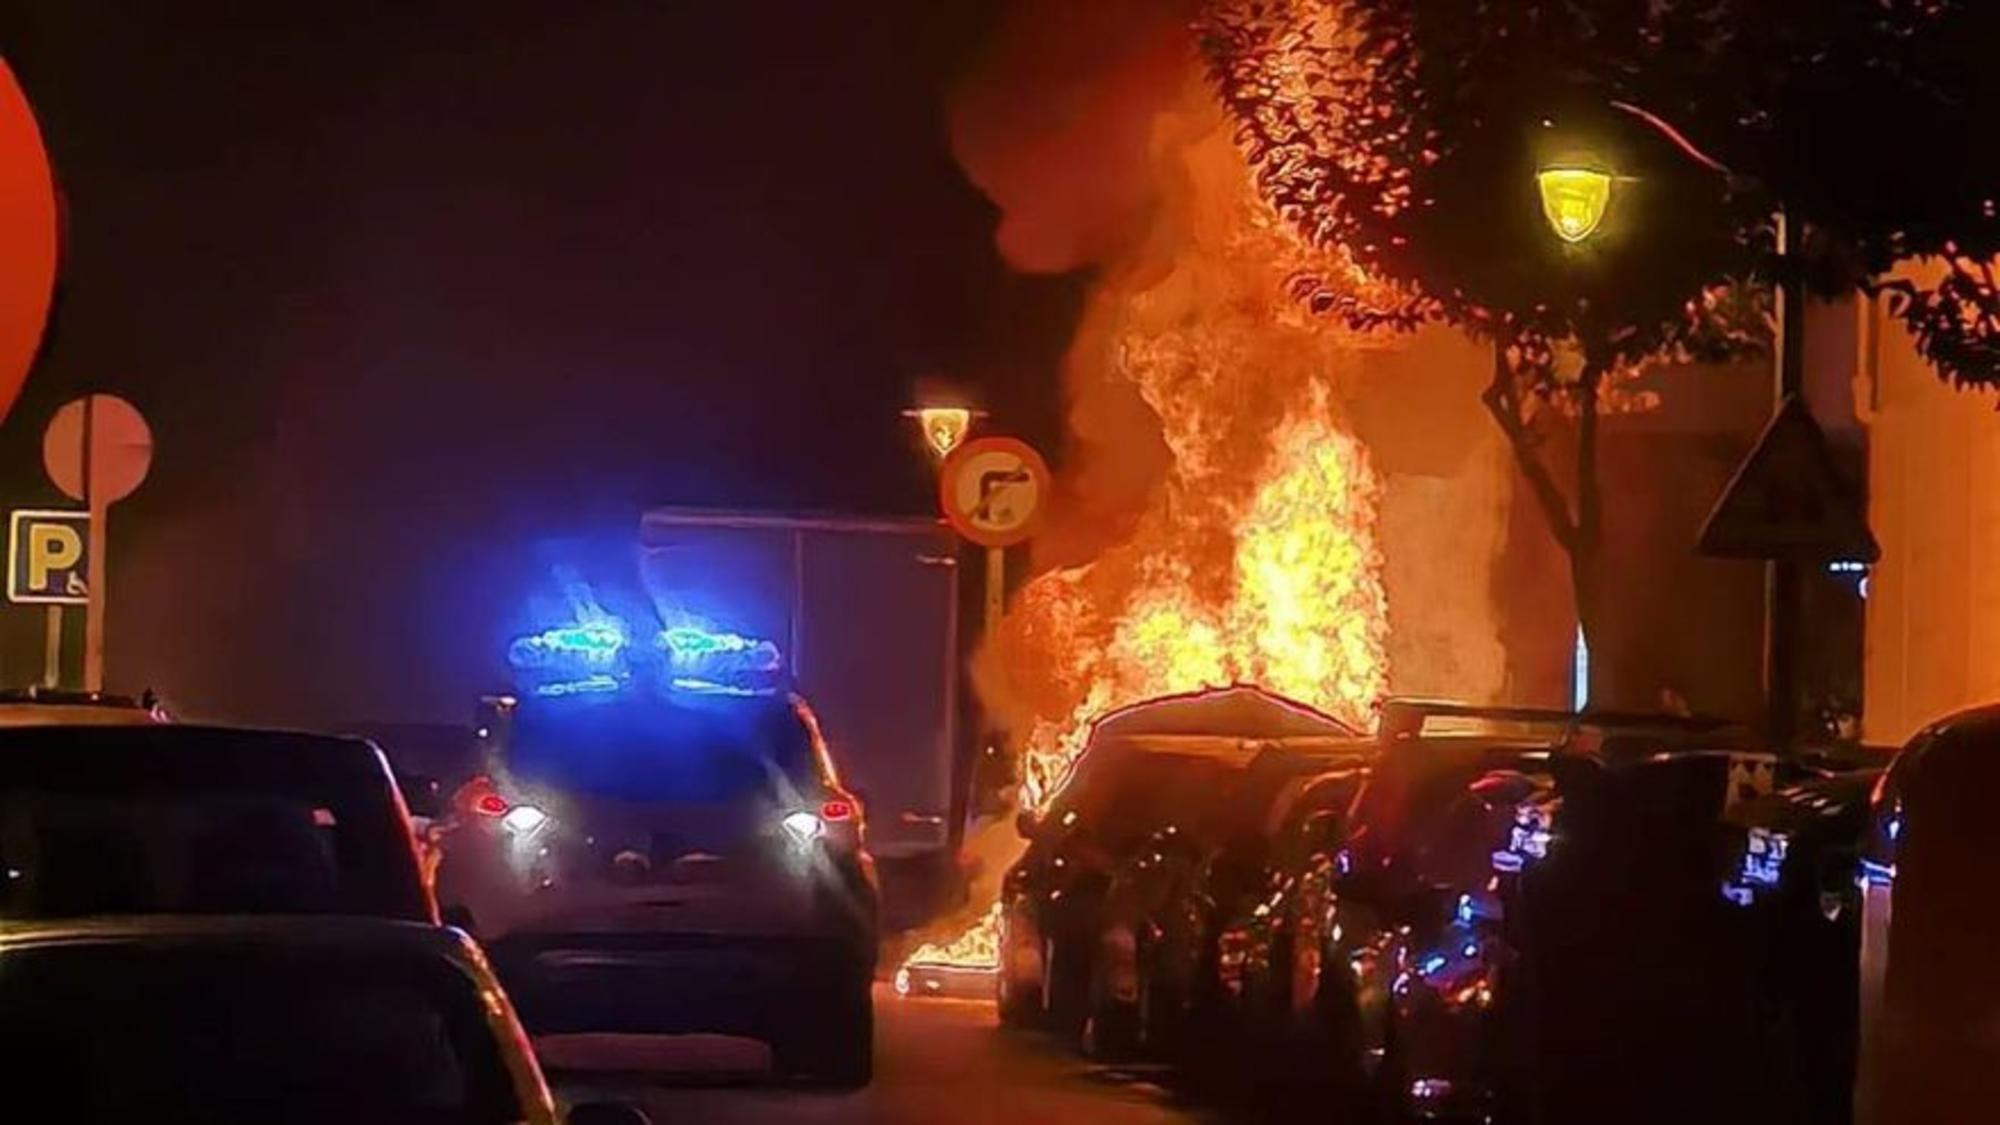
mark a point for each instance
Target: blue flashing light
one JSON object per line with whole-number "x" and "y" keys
{"x": 1894, "y": 827}
{"x": 1465, "y": 910}
{"x": 592, "y": 645}
{"x": 1471, "y": 949}
{"x": 1432, "y": 964}
{"x": 589, "y": 685}
{"x": 1876, "y": 874}
{"x": 695, "y": 685}
{"x": 690, "y": 646}
{"x": 1506, "y": 861}
{"x": 1741, "y": 896}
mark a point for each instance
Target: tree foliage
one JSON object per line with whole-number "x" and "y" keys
{"x": 1407, "y": 132}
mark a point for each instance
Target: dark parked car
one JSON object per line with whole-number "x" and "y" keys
{"x": 1150, "y": 769}
{"x": 152, "y": 819}
{"x": 1790, "y": 865}
{"x": 1156, "y": 975}
{"x": 1930, "y": 984}
{"x": 258, "y": 1019}
{"x": 1500, "y": 893}
{"x": 651, "y": 862}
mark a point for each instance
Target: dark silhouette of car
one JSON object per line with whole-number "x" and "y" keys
{"x": 1156, "y": 974}
{"x": 650, "y": 863}
{"x": 254, "y": 1019}
{"x": 1930, "y": 984}
{"x": 1521, "y": 917}
{"x": 1147, "y": 770}
{"x": 155, "y": 818}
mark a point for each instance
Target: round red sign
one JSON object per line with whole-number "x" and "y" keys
{"x": 993, "y": 490}
{"x": 27, "y": 238}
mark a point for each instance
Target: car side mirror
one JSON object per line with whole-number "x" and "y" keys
{"x": 607, "y": 1113}
{"x": 1025, "y": 822}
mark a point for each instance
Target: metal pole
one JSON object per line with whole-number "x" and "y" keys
{"x": 95, "y": 504}
{"x": 52, "y": 649}
{"x": 996, "y": 588}
{"x": 1782, "y": 576}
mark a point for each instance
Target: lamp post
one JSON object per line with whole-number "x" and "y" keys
{"x": 1574, "y": 200}
{"x": 943, "y": 427}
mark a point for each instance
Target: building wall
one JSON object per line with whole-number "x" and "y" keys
{"x": 1933, "y": 640}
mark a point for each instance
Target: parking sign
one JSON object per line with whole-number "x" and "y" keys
{"x": 47, "y": 563}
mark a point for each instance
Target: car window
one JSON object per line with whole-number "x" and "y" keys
{"x": 125, "y": 1032}
{"x": 646, "y": 748}
{"x": 93, "y": 828}
{"x": 1150, "y": 792}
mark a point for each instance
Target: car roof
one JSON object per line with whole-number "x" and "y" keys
{"x": 340, "y": 932}
{"x": 105, "y": 756}
{"x": 1239, "y": 711}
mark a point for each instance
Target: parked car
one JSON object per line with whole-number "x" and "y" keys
{"x": 1789, "y": 865}
{"x": 1415, "y": 963}
{"x": 158, "y": 818}
{"x": 649, "y": 862}
{"x": 1147, "y": 769}
{"x": 1930, "y": 985}
{"x": 254, "y": 1019}
{"x": 1157, "y": 970}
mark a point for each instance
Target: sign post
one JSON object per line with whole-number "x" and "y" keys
{"x": 97, "y": 450}
{"x": 46, "y": 565}
{"x": 992, "y": 490}
{"x": 1788, "y": 505}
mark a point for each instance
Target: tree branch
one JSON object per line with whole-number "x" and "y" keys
{"x": 1504, "y": 404}
{"x": 1589, "y": 490}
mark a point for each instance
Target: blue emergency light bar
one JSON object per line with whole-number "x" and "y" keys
{"x": 595, "y": 658}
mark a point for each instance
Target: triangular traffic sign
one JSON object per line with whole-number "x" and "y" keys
{"x": 1788, "y": 500}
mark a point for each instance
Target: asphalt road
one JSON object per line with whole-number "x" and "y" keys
{"x": 936, "y": 1061}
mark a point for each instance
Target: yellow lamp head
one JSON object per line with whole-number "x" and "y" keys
{"x": 944, "y": 427}
{"x": 1574, "y": 200}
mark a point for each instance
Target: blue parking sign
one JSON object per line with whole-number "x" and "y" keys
{"x": 47, "y": 558}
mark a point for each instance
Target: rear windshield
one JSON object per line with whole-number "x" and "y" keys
{"x": 125, "y": 822}
{"x": 125, "y": 1032}
{"x": 1146, "y": 791}
{"x": 652, "y": 749}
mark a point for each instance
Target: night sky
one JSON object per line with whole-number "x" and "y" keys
{"x": 408, "y": 287}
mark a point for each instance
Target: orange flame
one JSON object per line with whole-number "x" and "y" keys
{"x": 1255, "y": 557}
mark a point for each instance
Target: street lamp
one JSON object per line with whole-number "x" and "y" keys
{"x": 943, "y": 427}
{"x": 1574, "y": 200}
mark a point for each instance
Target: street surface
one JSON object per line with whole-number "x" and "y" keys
{"x": 936, "y": 1061}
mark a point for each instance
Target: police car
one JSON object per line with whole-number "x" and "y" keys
{"x": 658, "y": 843}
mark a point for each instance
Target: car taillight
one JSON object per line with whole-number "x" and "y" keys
{"x": 837, "y": 808}
{"x": 491, "y": 804}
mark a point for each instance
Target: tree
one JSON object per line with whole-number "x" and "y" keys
{"x": 1406, "y": 134}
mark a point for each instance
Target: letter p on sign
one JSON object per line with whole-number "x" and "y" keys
{"x": 46, "y": 563}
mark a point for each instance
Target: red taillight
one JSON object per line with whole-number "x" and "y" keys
{"x": 838, "y": 808}
{"x": 491, "y": 804}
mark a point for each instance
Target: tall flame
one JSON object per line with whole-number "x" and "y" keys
{"x": 1255, "y": 556}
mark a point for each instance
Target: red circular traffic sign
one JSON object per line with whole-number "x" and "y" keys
{"x": 993, "y": 490}
{"x": 105, "y": 433}
{"x": 27, "y": 238}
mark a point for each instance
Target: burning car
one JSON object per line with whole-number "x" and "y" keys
{"x": 660, "y": 844}
{"x": 1148, "y": 769}
{"x": 1157, "y": 972}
